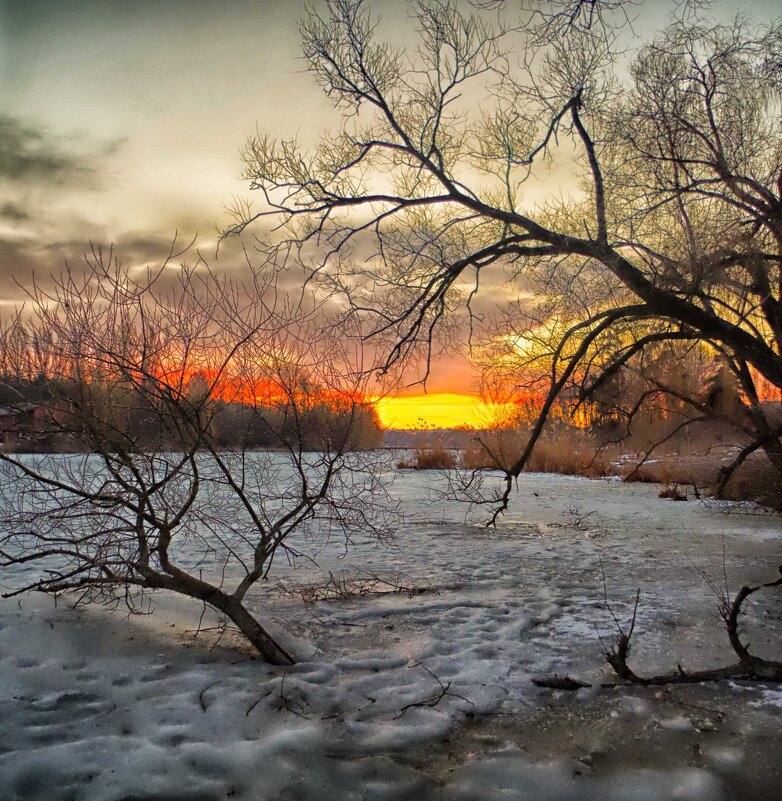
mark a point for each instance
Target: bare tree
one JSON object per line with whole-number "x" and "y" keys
{"x": 132, "y": 373}
{"x": 666, "y": 184}
{"x": 640, "y": 382}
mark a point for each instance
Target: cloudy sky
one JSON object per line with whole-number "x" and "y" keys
{"x": 121, "y": 120}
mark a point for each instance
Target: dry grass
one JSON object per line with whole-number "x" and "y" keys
{"x": 570, "y": 450}
{"x": 675, "y": 469}
{"x": 478, "y": 458}
{"x": 434, "y": 458}
{"x": 497, "y": 450}
{"x": 754, "y": 481}
{"x": 561, "y": 449}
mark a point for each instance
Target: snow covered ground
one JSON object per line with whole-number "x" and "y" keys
{"x": 424, "y": 693}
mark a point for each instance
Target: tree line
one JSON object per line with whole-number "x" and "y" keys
{"x": 113, "y": 366}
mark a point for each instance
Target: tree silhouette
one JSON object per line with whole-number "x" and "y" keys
{"x": 661, "y": 205}
{"x": 137, "y": 373}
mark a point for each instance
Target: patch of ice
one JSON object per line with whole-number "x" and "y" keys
{"x": 770, "y": 696}
{"x": 510, "y": 776}
{"x": 375, "y": 662}
{"x": 98, "y": 708}
{"x": 723, "y": 757}
{"x": 677, "y": 723}
{"x": 635, "y": 707}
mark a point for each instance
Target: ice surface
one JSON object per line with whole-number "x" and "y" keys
{"x": 424, "y": 693}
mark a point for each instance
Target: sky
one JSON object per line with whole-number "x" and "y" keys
{"x": 122, "y": 122}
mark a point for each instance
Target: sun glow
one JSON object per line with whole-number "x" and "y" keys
{"x": 440, "y": 410}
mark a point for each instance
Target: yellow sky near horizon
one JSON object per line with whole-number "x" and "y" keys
{"x": 439, "y": 410}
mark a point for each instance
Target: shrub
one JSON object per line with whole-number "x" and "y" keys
{"x": 433, "y": 458}
{"x": 673, "y": 492}
{"x": 570, "y": 451}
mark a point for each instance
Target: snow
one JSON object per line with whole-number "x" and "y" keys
{"x": 425, "y": 693}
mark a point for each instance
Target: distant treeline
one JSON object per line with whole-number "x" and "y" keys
{"x": 65, "y": 415}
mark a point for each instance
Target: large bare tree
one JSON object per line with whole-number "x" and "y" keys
{"x": 499, "y": 150}
{"x": 132, "y": 374}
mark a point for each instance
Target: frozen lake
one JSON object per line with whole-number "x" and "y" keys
{"x": 420, "y": 689}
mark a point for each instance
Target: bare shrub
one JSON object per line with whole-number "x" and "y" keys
{"x": 561, "y": 448}
{"x": 434, "y": 458}
{"x": 634, "y": 272}
{"x": 351, "y": 583}
{"x": 673, "y": 492}
{"x": 136, "y": 371}
{"x": 730, "y": 608}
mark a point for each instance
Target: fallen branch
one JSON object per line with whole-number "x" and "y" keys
{"x": 201, "y": 696}
{"x": 557, "y": 682}
{"x": 445, "y": 689}
{"x": 285, "y": 702}
{"x": 349, "y": 584}
{"x": 748, "y": 668}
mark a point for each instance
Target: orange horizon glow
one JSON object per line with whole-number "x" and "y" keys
{"x": 440, "y": 410}
{"x": 410, "y": 412}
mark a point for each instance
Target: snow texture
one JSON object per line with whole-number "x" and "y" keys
{"x": 424, "y": 693}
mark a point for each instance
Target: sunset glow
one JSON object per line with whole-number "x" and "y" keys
{"x": 439, "y": 410}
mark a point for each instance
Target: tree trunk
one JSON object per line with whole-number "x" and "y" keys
{"x": 261, "y": 640}
{"x": 181, "y": 582}
{"x": 773, "y": 450}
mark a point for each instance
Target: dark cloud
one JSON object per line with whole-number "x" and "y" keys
{"x": 139, "y": 248}
{"x": 13, "y": 212}
{"x": 23, "y": 260}
{"x": 30, "y": 153}
{"x": 17, "y": 266}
